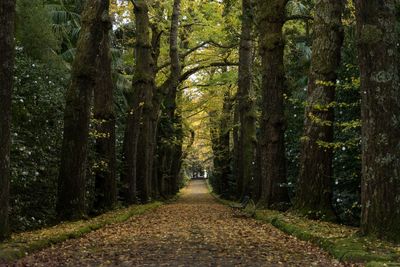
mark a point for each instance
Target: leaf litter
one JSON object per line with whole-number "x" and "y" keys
{"x": 195, "y": 230}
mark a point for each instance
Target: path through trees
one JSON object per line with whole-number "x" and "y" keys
{"x": 194, "y": 231}
{"x": 293, "y": 104}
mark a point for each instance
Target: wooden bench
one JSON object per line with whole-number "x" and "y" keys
{"x": 246, "y": 208}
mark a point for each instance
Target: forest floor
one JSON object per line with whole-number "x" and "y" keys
{"x": 196, "y": 230}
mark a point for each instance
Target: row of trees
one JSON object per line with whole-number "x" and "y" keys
{"x": 260, "y": 168}
{"x": 138, "y": 93}
{"x": 147, "y": 163}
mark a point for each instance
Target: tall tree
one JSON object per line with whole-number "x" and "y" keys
{"x": 245, "y": 105}
{"x": 138, "y": 159}
{"x": 158, "y": 95}
{"x": 176, "y": 149}
{"x": 171, "y": 151}
{"x": 72, "y": 176}
{"x": 314, "y": 187}
{"x": 220, "y": 135}
{"x": 273, "y": 166}
{"x": 104, "y": 120}
{"x": 380, "y": 89}
{"x": 7, "y": 20}
{"x": 139, "y": 97}
{"x": 224, "y": 143}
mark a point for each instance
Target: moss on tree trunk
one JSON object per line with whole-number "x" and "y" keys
{"x": 72, "y": 185}
{"x": 104, "y": 121}
{"x": 314, "y": 186}
{"x": 247, "y": 119}
{"x": 271, "y": 18}
{"x": 380, "y": 89}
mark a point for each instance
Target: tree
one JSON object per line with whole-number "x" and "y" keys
{"x": 314, "y": 186}
{"x": 245, "y": 107}
{"x": 224, "y": 143}
{"x": 72, "y": 176}
{"x": 7, "y": 20}
{"x": 271, "y": 15}
{"x": 220, "y": 135}
{"x": 139, "y": 129}
{"x": 145, "y": 82}
{"x": 170, "y": 151}
{"x": 378, "y": 37}
{"x": 104, "y": 120}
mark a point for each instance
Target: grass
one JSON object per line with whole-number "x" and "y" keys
{"x": 21, "y": 244}
{"x": 342, "y": 242}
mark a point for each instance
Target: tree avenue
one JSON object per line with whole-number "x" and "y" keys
{"x": 293, "y": 105}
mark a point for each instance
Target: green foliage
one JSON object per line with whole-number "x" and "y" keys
{"x": 34, "y": 30}
{"x": 297, "y": 62}
{"x": 38, "y": 103}
{"x": 347, "y": 159}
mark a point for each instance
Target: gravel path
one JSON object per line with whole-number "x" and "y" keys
{"x": 194, "y": 231}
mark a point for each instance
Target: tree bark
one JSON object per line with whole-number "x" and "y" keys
{"x": 157, "y": 98}
{"x": 236, "y": 150}
{"x": 128, "y": 175}
{"x": 171, "y": 153}
{"x": 104, "y": 120}
{"x": 220, "y": 134}
{"x": 247, "y": 128}
{"x": 273, "y": 169}
{"x": 380, "y": 89}
{"x": 71, "y": 192}
{"x": 216, "y": 149}
{"x": 224, "y": 145}
{"x": 7, "y": 21}
{"x": 314, "y": 186}
{"x": 144, "y": 86}
{"x": 138, "y": 133}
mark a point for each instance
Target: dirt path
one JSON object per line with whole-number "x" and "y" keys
{"x": 194, "y": 231}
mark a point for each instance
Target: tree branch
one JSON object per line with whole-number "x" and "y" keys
{"x": 184, "y": 55}
{"x": 222, "y": 45}
{"x": 192, "y": 71}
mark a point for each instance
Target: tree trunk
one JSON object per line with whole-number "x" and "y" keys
{"x": 314, "y": 187}
{"x": 104, "y": 120}
{"x": 237, "y": 157}
{"x": 247, "y": 130}
{"x": 128, "y": 176}
{"x": 144, "y": 84}
{"x": 72, "y": 176}
{"x": 138, "y": 133}
{"x": 171, "y": 153}
{"x": 157, "y": 98}
{"x": 380, "y": 89}
{"x": 220, "y": 141}
{"x": 7, "y": 21}
{"x": 273, "y": 169}
{"x": 224, "y": 145}
{"x": 216, "y": 149}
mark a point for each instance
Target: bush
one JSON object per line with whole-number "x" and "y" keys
{"x": 38, "y": 104}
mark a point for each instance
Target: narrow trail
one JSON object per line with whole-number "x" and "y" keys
{"x": 194, "y": 231}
